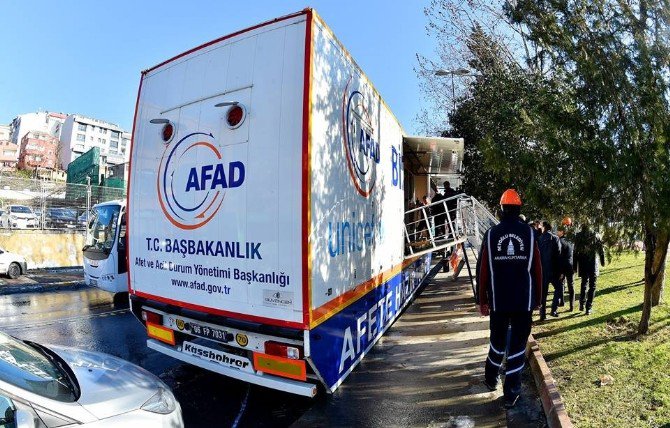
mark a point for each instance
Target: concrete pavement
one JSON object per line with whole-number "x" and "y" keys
{"x": 427, "y": 371}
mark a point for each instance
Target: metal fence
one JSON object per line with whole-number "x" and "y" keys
{"x": 40, "y": 204}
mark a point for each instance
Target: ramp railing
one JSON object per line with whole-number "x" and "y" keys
{"x": 442, "y": 225}
{"x": 446, "y": 223}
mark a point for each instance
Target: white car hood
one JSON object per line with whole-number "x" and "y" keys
{"x": 109, "y": 385}
{"x": 24, "y": 216}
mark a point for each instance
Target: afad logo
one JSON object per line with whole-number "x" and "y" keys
{"x": 362, "y": 151}
{"x": 190, "y": 196}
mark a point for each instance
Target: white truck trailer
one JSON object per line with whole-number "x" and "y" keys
{"x": 265, "y": 208}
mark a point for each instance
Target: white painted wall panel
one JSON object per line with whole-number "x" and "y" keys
{"x": 264, "y": 69}
{"x": 341, "y": 216}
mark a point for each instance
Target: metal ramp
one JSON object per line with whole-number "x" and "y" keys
{"x": 442, "y": 225}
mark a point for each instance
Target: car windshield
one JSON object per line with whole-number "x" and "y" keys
{"x": 34, "y": 369}
{"x": 20, "y": 209}
{"x": 102, "y": 227}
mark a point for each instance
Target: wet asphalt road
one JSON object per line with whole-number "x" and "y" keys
{"x": 90, "y": 319}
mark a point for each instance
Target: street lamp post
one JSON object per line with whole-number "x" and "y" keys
{"x": 452, "y": 73}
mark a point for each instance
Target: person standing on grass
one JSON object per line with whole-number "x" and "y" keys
{"x": 550, "y": 249}
{"x": 587, "y": 248}
{"x": 509, "y": 281}
{"x": 566, "y": 274}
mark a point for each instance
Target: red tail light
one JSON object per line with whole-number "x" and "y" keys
{"x": 152, "y": 317}
{"x": 167, "y": 132}
{"x": 235, "y": 116}
{"x": 292, "y": 352}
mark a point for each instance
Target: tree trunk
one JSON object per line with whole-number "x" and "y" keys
{"x": 657, "y": 289}
{"x": 656, "y": 250}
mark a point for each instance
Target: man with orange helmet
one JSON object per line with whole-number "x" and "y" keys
{"x": 509, "y": 281}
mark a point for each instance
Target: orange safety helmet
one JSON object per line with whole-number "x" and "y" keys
{"x": 510, "y": 197}
{"x": 567, "y": 221}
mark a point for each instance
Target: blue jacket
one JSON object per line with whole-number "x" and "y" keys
{"x": 509, "y": 269}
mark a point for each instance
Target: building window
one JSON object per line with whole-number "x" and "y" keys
{"x": 104, "y": 141}
{"x": 82, "y": 127}
{"x": 114, "y": 144}
{"x": 115, "y": 134}
{"x": 81, "y": 137}
{"x": 103, "y": 130}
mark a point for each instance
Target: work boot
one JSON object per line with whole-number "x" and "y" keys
{"x": 581, "y": 307}
{"x": 489, "y": 386}
{"x": 588, "y": 311}
{"x": 554, "y": 314}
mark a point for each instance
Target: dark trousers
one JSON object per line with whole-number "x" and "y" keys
{"x": 589, "y": 279}
{"x": 569, "y": 277}
{"x": 558, "y": 292}
{"x": 440, "y": 230}
{"x": 518, "y": 324}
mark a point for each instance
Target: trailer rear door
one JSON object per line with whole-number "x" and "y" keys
{"x": 214, "y": 209}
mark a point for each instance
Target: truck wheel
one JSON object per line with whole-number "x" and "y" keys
{"x": 14, "y": 271}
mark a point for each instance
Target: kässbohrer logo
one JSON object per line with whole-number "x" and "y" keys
{"x": 193, "y": 179}
{"x": 362, "y": 151}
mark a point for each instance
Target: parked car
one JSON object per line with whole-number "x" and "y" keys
{"x": 11, "y": 264}
{"x": 56, "y": 386}
{"x": 57, "y": 218}
{"x": 83, "y": 219}
{"x": 19, "y": 217}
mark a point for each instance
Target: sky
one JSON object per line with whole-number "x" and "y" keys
{"x": 85, "y": 57}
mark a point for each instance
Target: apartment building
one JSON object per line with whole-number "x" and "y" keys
{"x": 41, "y": 121}
{"x": 38, "y": 150}
{"x": 9, "y": 152}
{"x": 79, "y": 134}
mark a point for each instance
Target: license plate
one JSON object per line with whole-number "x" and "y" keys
{"x": 216, "y": 356}
{"x": 202, "y": 330}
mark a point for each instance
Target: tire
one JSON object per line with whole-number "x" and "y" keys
{"x": 14, "y": 271}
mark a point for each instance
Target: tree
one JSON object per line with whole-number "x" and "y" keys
{"x": 574, "y": 95}
{"x": 615, "y": 55}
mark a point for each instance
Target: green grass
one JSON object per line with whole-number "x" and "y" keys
{"x": 580, "y": 349}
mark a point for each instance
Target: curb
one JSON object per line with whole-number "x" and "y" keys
{"x": 552, "y": 402}
{"x": 6, "y": 290}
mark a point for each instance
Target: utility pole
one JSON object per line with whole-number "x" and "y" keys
{"x": 88, "y": 197}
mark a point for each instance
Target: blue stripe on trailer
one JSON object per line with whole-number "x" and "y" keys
{"x": 338, "y": 344}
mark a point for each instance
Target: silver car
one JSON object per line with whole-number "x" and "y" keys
{"x": 62, "y": 387}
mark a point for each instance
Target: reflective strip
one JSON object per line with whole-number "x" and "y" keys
{"x": 493, "y": 284}
{"x": 491, "y": 361}
{"x": 515, "y": 370}
{"x": 530, "y": 263}
{"x": 517, "y": 354}
{"x": 495, "y": 350}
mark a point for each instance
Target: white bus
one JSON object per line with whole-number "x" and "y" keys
{"x": 105, "y": 264}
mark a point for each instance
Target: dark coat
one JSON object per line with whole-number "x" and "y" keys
{"x": 587, "y": 249}
{"x": 550, "y": 250}
{"x": 567, "y": 255}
